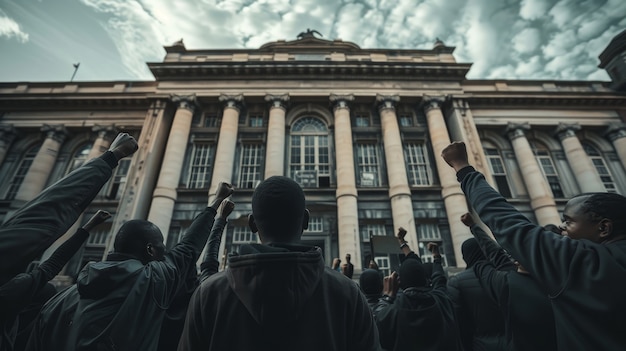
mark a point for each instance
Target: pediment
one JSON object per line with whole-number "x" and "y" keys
{"x": 310, "y": 44}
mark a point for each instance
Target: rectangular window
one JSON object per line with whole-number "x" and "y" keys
{"x": 367, "y": 162}
{"x": 98, "y": 238}
{"x": 315, "y": 225}
{"x": 417, "y": 164}
{"x": 369, "y": 230}
{"x": 200, "y": 166}
{"x": 256, "y": 121}
{"x": 310, "y": 159}
{"x": 405, "y": 120}
{"x": 498, "y": 171}
{"x": 604, "y": 173}
{"x": 362, "y": 121}
{"x": 250, "y": 165}
{"x": 549, "y": 171}
{"x": 20, "y": 173}
{"x": 211, "y": 121}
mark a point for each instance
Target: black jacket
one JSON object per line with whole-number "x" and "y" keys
{"x": 586, "y": 281}
{"x": 480, "y": 322}
{"x": 120, "y": 303}
{"x": 278, "y": 297}
{"x": 420, "y": 318}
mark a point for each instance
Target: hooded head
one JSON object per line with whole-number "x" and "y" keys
{"x": 278, "y": 210}
{"x": 371, "y": 282}
{"x": 412, "y": 274}
{"x": 471, "y": 252}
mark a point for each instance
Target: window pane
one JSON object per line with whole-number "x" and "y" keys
{"x": 368, "y": 230}
{"x": 601, "y": 168}
{"x": 20, "y": 173}
{"x": 200, "y": 166}
{"x": 367, "y": 163}
{"x": 417, "y": 164}
{"x": 496, "y": 165}
{"x": 309, "y": 151}
{"x": 250, "y": 165}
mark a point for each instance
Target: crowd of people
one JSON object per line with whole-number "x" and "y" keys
{"x": 533, "y": 288}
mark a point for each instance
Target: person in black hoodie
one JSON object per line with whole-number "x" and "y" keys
{"x": 583, "y": 272}
{"x": 278, "y": 295}
{"x": 120, "y": 303}
{"x": 421, "y": 317}
{"x": 480, "y": 322}
{"x": 29, "y": 291}
{"x": 528, "y": 317}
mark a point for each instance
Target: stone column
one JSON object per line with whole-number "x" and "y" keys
{"x": 144, "y": 168}
{"x": 275, "y": 154}
{"x": 453, "y": 197}
{"x": 399, "y": 191}
{"x": 347, "y": 207}
{"x": 541, "y": 198}
{"x": 586, "y": 175}
{"x": 225, "y": 153}
{"x": 7, "y": 136}
{"x": 37, "y": 176}
{"x": 165, "y": 193}
{"x": 616, "y": 132}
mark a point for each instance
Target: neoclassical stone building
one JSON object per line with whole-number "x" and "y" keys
{"x": 360, "y": 129}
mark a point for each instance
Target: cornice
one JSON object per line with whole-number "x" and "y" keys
{"x": 322, "y": 70}
{"x": 546, "y": 99}
{"x": 77, "y": 100}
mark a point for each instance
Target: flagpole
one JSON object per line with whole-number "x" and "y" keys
{"x": 76, "y": 65}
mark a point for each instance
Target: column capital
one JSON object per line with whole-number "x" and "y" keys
{"x": 516, "y": 130}
{"x": 387, "y": 101}
{"x": 432, "y": 102}
{"x": 340, "y": 101}
{"x": 102, "y": 131}
{"x": 278, "y": 101}
{"x": 7, "y": 133}
{"x": 56, "y": 132}
{"x": 616, "y": 130}
{"x": 566, "y": 130}
{"x": 188, "y": 102}
{"x": 232, "y": 101}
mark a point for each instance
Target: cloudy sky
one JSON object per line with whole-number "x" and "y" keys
{"x": 113, "y": 39}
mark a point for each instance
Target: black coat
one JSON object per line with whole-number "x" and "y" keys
{"x": 585, "y": 281}
{"x": 480, "y": 321}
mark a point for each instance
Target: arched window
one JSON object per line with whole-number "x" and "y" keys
{"x": 80, "y": 157}
{"x": 309, "y": 153}
{"x": 498, "y": 171}
{"x": 544, "y": 159}
{"x": 20, "y": 173}
{"x": 603, "y": 170}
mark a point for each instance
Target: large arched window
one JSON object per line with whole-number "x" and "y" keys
{"x": 20, "y": 172}
{"x": 309, "y": 152}
{"x": 544, "y": 159}
{"x": 80, "y": 157}
{"x": 600, "y": 165}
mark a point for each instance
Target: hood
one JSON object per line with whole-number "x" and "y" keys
{"x": 99, "y": 279}
{"x": 275, "y": 281}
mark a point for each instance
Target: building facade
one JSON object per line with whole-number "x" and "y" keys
{"x": 360, "y": 129}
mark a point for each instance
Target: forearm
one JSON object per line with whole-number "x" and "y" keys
{"x": 210, "y": 263}
{"x": 438, "y": 276}
{"x": 489, "y": 247}
{"x": 53, "y": 265}
{"x": 197, "y": 234}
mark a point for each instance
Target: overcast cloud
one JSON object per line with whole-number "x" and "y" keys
{"x": 113, "y": 39}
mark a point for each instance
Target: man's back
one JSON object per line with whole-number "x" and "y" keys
{"x": 278, "y": 297}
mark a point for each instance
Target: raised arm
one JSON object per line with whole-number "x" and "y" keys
{"x": 438, "y": 277}
{"x": 210, "y": 264}
{"x": 404, "y": 245}
{"x": 546, "y": 255}
{"x": 494, "y": 252}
